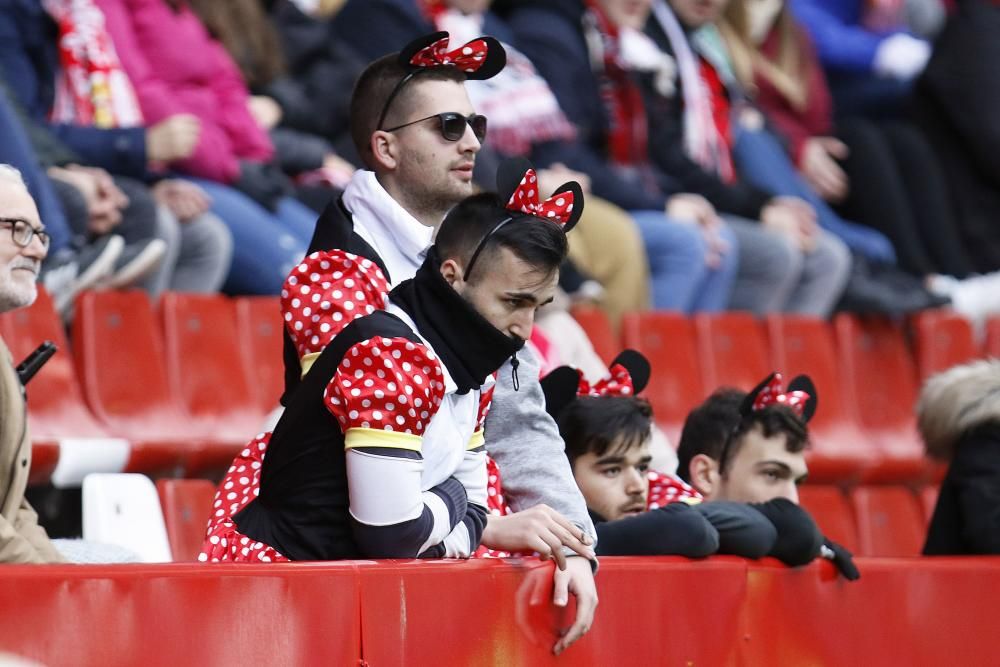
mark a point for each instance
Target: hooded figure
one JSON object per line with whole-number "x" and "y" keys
{"x": 959, "y": 418}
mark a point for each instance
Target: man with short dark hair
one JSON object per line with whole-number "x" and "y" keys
{"x": 23, "y": 245}
{"x": 380, "y": 452}
{"x": 418, "y": 133}
{"x": 764, "y": 458}
{"x": 749, "y": 448}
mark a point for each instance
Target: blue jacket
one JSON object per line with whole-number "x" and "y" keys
{"x": 835, "y": 27}
{"x": 29, "y": 61}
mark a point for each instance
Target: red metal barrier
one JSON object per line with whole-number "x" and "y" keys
{"x": 653, "y": 611}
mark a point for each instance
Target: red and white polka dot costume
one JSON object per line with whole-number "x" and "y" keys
{"x": 386, "y": 395}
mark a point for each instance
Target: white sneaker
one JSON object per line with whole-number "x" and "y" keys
{"x": 72, "y": 271}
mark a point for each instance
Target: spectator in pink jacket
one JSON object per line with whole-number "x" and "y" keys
{"x": 177, "y": 67}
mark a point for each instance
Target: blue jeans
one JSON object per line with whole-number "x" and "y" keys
{"x": 266, "y": 245}
{"x": 763, "y": 163}
{"x": 681, "y": 280}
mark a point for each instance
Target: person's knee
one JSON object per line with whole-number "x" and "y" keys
{"x": 831, "y": 259}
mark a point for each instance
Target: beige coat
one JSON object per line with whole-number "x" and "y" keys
{"x": 22, "y": 540}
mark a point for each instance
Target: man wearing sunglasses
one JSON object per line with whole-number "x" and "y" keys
{"x": 23, "y": 245}
{"x": 418, "y": 135}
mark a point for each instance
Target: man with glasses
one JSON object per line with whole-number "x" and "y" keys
{"x": 418, "y": 135}
{"x": 23, "y": 245}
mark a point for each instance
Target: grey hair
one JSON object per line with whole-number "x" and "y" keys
{"x": 12, "y": 174}
{"x": 956, "y": 401}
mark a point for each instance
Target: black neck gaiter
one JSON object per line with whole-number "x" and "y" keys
{"x": 469, "y": 346}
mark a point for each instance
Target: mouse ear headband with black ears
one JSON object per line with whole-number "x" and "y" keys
{"x": 482, "y": 58}
{"x": 629, "y": 375}
{"x": 517, "y": 184}
{"x": 800, "y": 397}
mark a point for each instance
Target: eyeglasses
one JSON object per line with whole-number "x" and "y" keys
{"x": 453, "y": 125}
{"x": 22, "y": 232}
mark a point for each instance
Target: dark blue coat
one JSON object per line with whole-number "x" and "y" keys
{"x": 29, "y": 62}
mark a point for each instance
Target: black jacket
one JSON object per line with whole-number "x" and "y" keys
{"x": 967, "y": 516}
{"x": 956, "y": 102}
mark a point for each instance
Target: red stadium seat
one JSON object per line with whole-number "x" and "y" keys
{"x": 600, "y": 332}
{"x": 258, "y": 319}
{"x": 833, "y": 514}
{"x": 838, "y": 451}
{"x": 667, "y": 340}
{"x": 881, "y": 380}
{"x": 993, "y": 337}
{"x": 56, "y": 407}
{"x": 187, "y": 505}
{"x": 732, "y": 350}
{"x": 943, "y": 339}
{"x": 119, "y": 360}
{"x": 890, "y": 521}
{"x": 204, "y": 366}
{"x": 928, "y": 500}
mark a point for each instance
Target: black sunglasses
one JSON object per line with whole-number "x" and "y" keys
{"x": 452, "y": 125}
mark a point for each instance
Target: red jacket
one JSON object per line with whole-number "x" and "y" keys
{"x": 176, "y": 67}
{"x": 816, "y": 119}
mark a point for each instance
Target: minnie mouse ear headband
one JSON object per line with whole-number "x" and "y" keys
{"x": 517, "y": 182}
{"x": 800, "y": 397}
{"x": 629, "y": 375}
{"x": 482, "y": 58}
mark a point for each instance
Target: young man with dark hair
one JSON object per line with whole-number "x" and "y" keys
{"x": 418, "y": 133}
{"x": 764, "y": 457}
{"x": 607, "y": 433}
{"x": 380, "y": 452}
{"x": 749, "y": 448}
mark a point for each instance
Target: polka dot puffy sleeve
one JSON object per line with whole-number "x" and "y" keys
{"x": 326, "y": 292}
{"x": 385, "y": 393}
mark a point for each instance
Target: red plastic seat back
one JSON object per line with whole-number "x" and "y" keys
{"x": 928, "y": 500}
{"x": 876, "y": 366}
{"x": 187, "y": 505}
{"x": 119, "y": 360}
{"x": 667, "y": 340}
{"x": 204, "y": 366}
{"x": 731, "y": 350}
{"x": 600, "y": 332}
{"x": 258, "y": 319}
{"x": 805, "y": 345}
{"x": 890, "y": 521}
{"x": 942, "y": 339}
{"x": 55, "y": 406}
{"x": 833, "y": 514}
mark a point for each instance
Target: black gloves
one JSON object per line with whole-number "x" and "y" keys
{"x": 842, "y": 559}
{"x": 799, "y": 540}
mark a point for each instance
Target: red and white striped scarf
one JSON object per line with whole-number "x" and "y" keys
{"x": 91, "y": 87}
{"x": 521, "y": 108}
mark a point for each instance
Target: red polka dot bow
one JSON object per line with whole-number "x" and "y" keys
{"x": 773, "y": 393}
{"x": 618, "y": 383}
{"x": 468, "y": 57}
{"x": 558, "y": 207}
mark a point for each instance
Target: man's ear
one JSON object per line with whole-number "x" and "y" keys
{"x": 452, "y": 272}
{"x": 384, "y": 150}
{"x": 703, "y": 471}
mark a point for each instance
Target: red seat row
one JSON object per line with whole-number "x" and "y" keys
{"x": 886, "y": 520}
{"x": 867, "y": 378}
{"x": 186, "y": 384}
